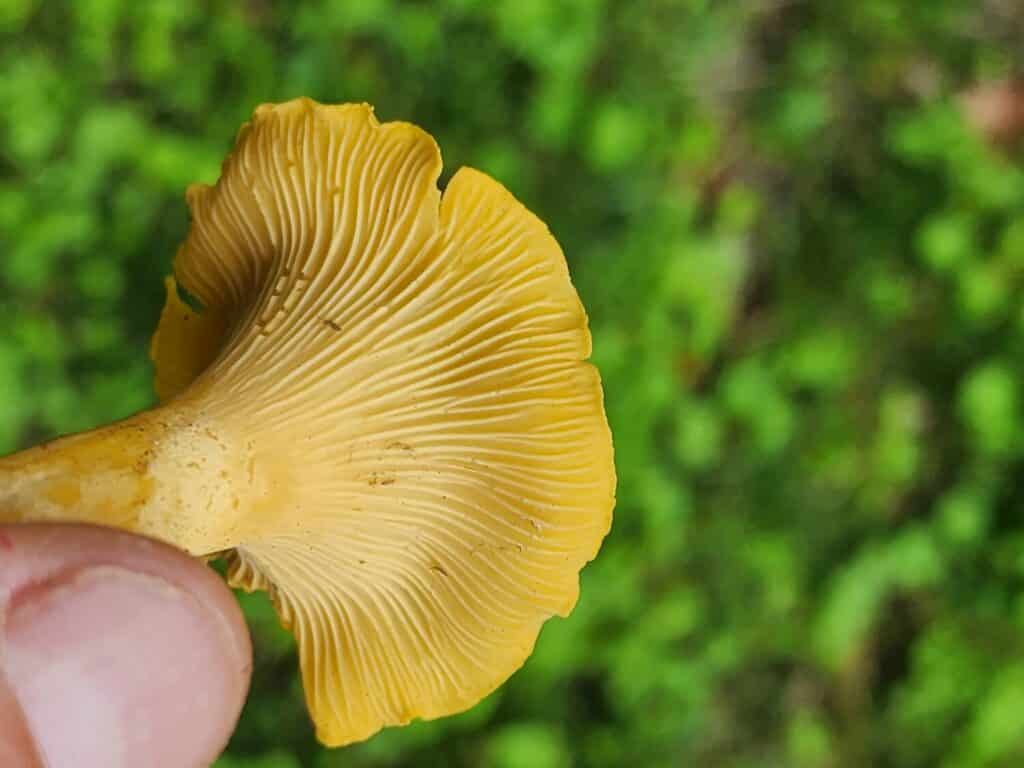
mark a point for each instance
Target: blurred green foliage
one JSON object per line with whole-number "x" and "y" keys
{"x": 804, "y": 272}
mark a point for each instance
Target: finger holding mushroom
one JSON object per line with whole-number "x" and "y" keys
{"x": 382, "y": 414}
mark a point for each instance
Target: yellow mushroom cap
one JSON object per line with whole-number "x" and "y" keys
{"x": 382, "y": 415}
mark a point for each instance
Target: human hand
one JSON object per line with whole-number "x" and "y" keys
{"x": 115, "y": 651}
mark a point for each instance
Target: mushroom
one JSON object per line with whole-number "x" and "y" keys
{"x": 375, "y": 405}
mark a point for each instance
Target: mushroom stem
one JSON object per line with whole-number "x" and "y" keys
{"x": 95, "y": 477}
{"x": 150, "y": 474}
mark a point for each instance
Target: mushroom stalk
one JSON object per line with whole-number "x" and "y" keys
{"x": 142, "y": 475}
{"x": 95, "y": 477}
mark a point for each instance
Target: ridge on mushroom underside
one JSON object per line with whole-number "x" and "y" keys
{"x": 409, "y": 374}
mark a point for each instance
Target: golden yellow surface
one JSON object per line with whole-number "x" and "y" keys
{"x": 384, "y": 416}
{"x": 184, "y": 344}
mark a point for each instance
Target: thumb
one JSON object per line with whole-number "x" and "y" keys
{"x": 114, "y": 651}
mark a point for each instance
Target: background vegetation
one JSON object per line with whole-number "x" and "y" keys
{"x": 803, "y": 253}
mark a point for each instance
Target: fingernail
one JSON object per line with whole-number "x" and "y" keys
{"x": 116, "y": 668}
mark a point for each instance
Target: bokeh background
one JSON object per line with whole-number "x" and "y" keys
{"x": 797, "y": 226}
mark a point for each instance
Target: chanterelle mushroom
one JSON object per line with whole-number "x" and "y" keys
{"x": 382, "y": 416}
